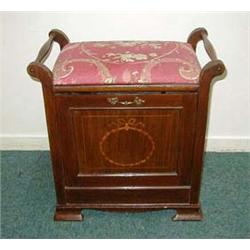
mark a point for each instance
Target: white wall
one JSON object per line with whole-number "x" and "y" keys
{"x": 22, "y": 117}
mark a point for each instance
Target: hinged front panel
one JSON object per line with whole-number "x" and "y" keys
{"x": 135, "y": 143}
{"x": 128, "y": 140}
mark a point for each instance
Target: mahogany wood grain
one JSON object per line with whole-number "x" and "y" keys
{"x": 209, "y": 47}
{"x": 68, "y": 214}
{"x": 187, "y": 214}
{"x": 196, "y": 36}
{"x": 126, "y": 88}
{"x": 208, "y": 73}
{"x": 153, "y": 160}
{"x": 59, "y": 37}
{"x": 45, "y": 50}
{"x": 202, "y": 34}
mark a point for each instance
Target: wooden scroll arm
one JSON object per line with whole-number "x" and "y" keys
{"x": 213, "y": 68}
{"x": 201, "y": 34}
{"x": 37, "y": 69}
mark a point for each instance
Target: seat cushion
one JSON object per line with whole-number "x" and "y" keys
{"x": 126, "y": 62}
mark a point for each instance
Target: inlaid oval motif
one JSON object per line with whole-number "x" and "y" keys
{"x": 127, "y": 146}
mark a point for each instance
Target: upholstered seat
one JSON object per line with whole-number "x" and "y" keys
{"x": 126, "y": 62}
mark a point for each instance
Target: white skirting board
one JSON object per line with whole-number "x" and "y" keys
{"x": 40, "y": 142}
{"x": 227, "y": 144}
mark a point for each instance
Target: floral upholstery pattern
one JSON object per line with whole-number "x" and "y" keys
{"x": 126, "y": 62}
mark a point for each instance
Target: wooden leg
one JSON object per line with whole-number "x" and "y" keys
{"x": 68, "y": 214}
{"x": 186, "y": 214}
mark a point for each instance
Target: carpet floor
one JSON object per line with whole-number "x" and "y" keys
{"x": 28, "y": 199}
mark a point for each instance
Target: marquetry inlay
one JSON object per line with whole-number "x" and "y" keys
{"x": 124, "y": 128}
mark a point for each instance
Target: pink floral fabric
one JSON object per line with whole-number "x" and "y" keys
{"x": 126, "y": 62}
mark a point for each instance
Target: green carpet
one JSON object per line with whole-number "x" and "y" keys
{"x": 28, "y": 199}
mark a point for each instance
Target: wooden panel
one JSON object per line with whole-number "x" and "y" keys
{"x": 126, "y": 145}
{"x": 128, "y": 195}
{"x": 128, "y": 140}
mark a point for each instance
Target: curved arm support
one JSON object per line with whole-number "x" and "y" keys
{"x": 40, "y": 72}
{"x": 37, "y": 69}
{"x": 196, "y": 36}
{"x": 201, "y": 34}
{"x": 59, "y": 37}
{"x": 211, "y": 70}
